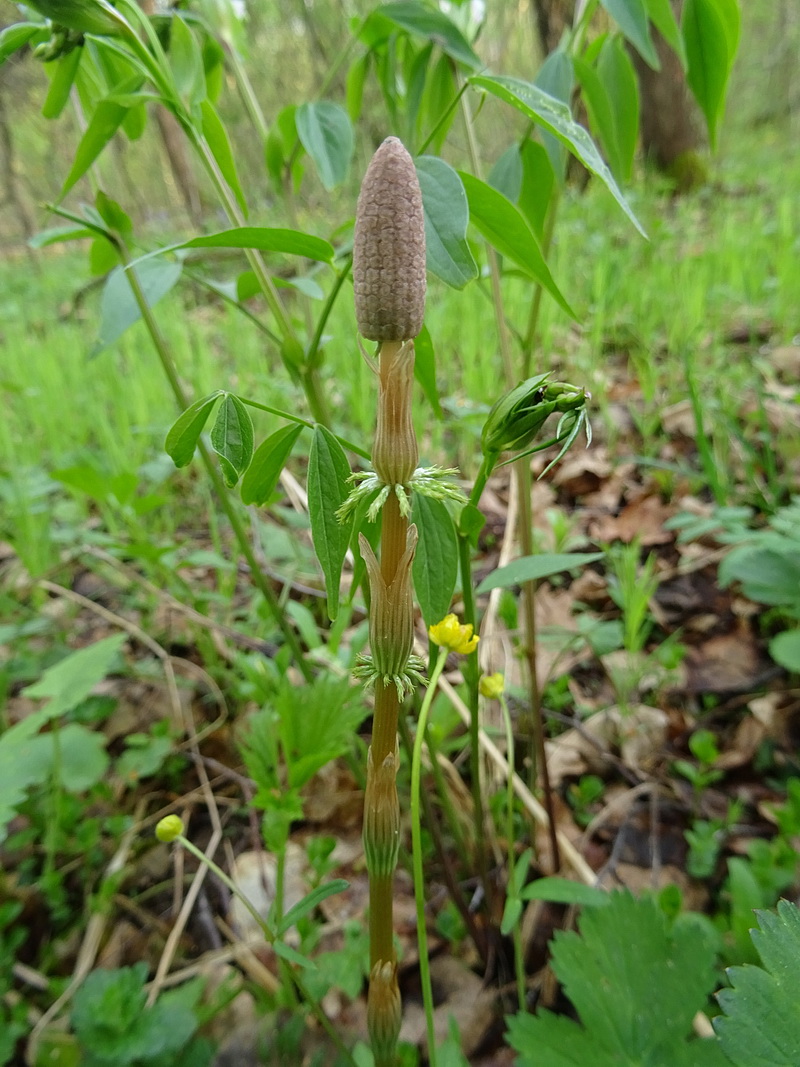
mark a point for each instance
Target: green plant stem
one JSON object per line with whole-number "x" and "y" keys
{"x": 316, "y": 340}
{"x": 269, "y": 934}
{"x": 519, "y": 962}
{"x": 247, "y": 93}
{"x": 416, "y": 847}
{"x": 529, "y": 340}
{"x": 359, "y": 451}
{"x": 309, "y": 376}
{"x": 237, "y": 527}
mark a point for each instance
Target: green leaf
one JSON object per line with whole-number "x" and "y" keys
{"x": 186, "y": 61}
{"x": 425, "y": 369}
{"x": 356, "y": 76}
{"x": 616, "y": 73}
{"x": 269, "y": 459}
{"x": 504, "y": 226}
{"x": 12, "y": 38}
{"x": 532, "y": 568}
{"x": 506, "y": 175}
{"x": 536, "y": 190}
{"x": 706, "y": 36}
{"x": 435, "y": 566}
{"x": 103, "y": 124}
{"x": 55, "y": 234}
{"x": 185, "y": 433}
{"x": 118, "y": 307}
{"x": 61, "y": 83}
{"x": 217, "y": 137}
{"x": 446, "y": 219}
{"x": 631, "y": 17}
{"x": 556, "y": 117}
{"x": 264, "y": 238}
{"x": 556, "y": 77}
{"x": 766, "y": 575}
{"x": 761, "y": 1025}
{"x": 292, "y": 955}
{"x": 626, "y": 950}
{"x": 326, "y": 133}
{"x": 785, "y": 650}
{"x": 71, "y": 680}
{"x": 232, "y": 438}
{"x": 563, "y": 891}
{"x": 663, "y": 18}
{"x": 511, "y": 915}
{"x": 85, "y": 16}
{"x": 309, "y": 902}
{"x": 82, "y": 760}
{"x": 328, "y": 472}
{"x": 432, "y": 24}
{"x": 601, "y": 113}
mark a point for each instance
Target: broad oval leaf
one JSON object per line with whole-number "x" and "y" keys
{"x": 326, "y": 133}
{"x": 531, "y": 568}
{"x": 185, "y": 432}
{"x": 556, "y": 117}
{"x": 446, "y": 219}
{"x": 435, "y": 566}
{"x": 785, "y": 650}
{"x": 261, "y": 477}
{"x": 328, "y": 472}
{"x": 505, "y": 227}
{"x": 118, "y": 306}
{"x": 435, "y": 26}
{"x": 232, "y": 438}
{"x": 631, "y": 17}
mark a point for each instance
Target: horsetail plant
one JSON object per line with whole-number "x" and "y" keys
{"x": 389, "y": 284}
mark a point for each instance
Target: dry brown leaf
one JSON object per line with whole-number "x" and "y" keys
{"x": 643, "y": 518}
{"x": 459, "y": 993}
{"x": 724, "y": 664}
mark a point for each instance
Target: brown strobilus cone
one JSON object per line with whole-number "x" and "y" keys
{"x": 389, "y": 283}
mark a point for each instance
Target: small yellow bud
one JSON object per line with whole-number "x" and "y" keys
{"x": 169, "y": 828}
{"x": 450, "y": 633}
{"x": 491, "y": 685}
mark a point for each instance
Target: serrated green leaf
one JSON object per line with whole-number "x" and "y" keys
{"x": 328, "y": 471}
{"x": 326, "y": 133}
{"x": 232, "y": 438}
{"x": 217, "y": 137}
{"x": 435, "y": 26}
{"x": 556, "y": 117}
{"x": 82, "y": 757}
{"x": 446, "y": 219}
{"x": 761, "y": 1026}
{"x": 504, "y": 226}
{"x": 532, "y": 568}
{"x": 625, "y": 951}
{"x": 631, "y": 17}
{"x": 563, "y": 891}
{"x": 185, "y": 433}
{"x": 118, "y": 307}
{"x": 435, "y": 566}
{"x": 709, "y": 58}
{"x": 425, "y": 369}
{"x": 309, "y": 902}
{"x": 269, "y": 459}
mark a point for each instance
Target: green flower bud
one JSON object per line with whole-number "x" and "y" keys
{"x": 518, "y": 416}
{"x": 169, "y": 828}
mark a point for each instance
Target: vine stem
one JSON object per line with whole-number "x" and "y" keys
{"x": 416, "y": 850}
{"x": 231, "y": 514}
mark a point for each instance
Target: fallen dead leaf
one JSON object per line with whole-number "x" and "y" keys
{"x": 727, "y": 663}
{"x": 643, "y": 518}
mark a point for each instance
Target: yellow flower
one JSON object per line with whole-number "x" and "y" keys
{"x": 168, "y": 828}
{"x": 492, "y": 685}
{"x": 450, "y": 633}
